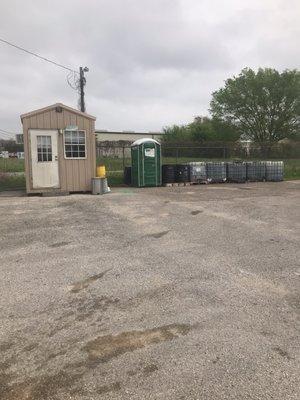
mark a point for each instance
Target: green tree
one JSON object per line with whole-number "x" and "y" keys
{"x": 176, "y": 134}
{"x": 264, "y": 105}
{"x": 213, "y": 130}
{"x": 202, "y": 129}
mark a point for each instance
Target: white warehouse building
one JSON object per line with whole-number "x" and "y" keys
{"x": 126, "y": 136}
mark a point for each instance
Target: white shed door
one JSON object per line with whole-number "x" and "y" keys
{"x": 44, "y": 158}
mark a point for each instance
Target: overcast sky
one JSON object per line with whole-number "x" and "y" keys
{"x": 152, "y": 63}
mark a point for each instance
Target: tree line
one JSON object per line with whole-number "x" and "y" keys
{"x": 262, "y": 106}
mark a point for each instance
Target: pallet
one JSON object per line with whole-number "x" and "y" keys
{"x": 199, "y": 183}
{"x": 176, "y": 184}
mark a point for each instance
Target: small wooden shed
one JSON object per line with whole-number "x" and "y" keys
{"x": 59, "y": 149}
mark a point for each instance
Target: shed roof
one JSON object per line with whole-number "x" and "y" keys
{"x": 49, "y": 108}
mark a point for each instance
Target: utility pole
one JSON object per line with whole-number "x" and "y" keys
{"x": 82, "y": 82}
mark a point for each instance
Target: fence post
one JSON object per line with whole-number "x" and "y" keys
{"x": 224, "y": 152}
{"x": 177, "y": 151}
{"x": 123, "y": 153}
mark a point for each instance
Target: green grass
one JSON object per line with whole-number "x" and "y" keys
{"x": 12, "y": 182}
{"x": 11, "y": 165}
{"x": 114, "y": 167}
{"x": 115, "y": 178}
{"x": 291, "y": 169}
{"x": 114, "y": 164}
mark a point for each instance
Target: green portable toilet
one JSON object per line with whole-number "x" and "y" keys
{"x": 145, "y": 163}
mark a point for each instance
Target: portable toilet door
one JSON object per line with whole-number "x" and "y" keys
{"x": 145, "y": 163}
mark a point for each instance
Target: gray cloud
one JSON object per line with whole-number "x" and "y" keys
{"x": 152, "y": 63}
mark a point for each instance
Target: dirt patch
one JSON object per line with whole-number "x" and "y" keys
{"x": 114, "y": 387}
{"x": 281, "y": 352}
{"x": 87, "y": 308}
{"x": 262, "y": 285}
{"x": 5, "y": 364}
{"x": 78, "y": 286}
{"x": 294, "y": 301}
{"x": 30, "y": 347}
{"x": 158, "y": 234}
{"x": 58, "y": 328}
{"x": 149, "y": 369}
{"x": 6, "y": 346}
{"x": 4, "y": 380}
{"x": 107, "y": 347}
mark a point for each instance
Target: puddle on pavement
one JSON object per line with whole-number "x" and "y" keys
{"x": 104, "y": 348}
{"x": 78, "y": 286}
{"x": 38, "y": 388}
{"x": 158, "y": 234}
{"x": 69, "y": 380}
{"x": 196, "y": 212}
{"x": 59, "y": 244}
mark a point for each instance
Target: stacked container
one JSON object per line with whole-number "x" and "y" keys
{"x": 216, "y": 171}
{"x": 168, "y": 173}
{"x": 256, "y": 171}
{"x": 198, "y": 172}
{"x": 274, "y": 171}
{"x": 236, "y": 172}
{"x": 182, "y": 173}
{"x": 127, "y": 175}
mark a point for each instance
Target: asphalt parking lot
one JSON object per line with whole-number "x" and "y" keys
{"x": 158, "y": 293}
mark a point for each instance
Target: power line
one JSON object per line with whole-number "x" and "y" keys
{"x": 74, "y": 82}
{"x": 5, "y": 137}
{"x": 10, "y": 133}
{"x": 38, "y": 56}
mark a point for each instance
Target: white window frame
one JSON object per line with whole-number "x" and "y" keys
{"x": 42, "y": 153}
{"x": 85, "y": 144}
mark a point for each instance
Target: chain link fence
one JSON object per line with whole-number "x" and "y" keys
{"x": 115, "y": 158}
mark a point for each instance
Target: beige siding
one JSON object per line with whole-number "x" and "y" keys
{"x": 75, "y": 175}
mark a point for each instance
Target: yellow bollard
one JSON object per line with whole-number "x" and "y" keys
{"x": 101, "y": 173}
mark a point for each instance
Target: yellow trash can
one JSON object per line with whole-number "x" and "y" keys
{"x": 101, "y": 173}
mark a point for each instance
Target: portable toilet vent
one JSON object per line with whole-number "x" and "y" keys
{"x": 145, "y": 163}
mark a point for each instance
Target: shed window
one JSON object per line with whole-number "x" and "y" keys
{"x": 44, "y": 148}
{"x": 75, "y": 144}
